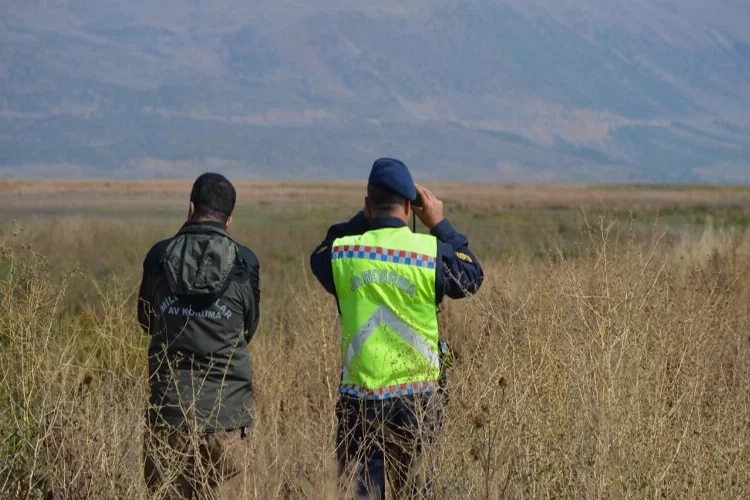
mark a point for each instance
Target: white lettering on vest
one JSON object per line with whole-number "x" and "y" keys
{"x": 373, "y": 276}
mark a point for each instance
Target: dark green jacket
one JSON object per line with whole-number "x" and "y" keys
{"x": 199, "y": 302}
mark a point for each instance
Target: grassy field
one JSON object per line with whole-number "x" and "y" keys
{"x": 606, "y": 356}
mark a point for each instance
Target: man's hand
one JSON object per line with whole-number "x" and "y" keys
{"x": 431, "y": 212}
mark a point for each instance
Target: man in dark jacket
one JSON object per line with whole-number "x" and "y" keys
{"x": 199, "y": 302}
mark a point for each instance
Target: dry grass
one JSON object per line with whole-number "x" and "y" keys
{"x": 614, "y": 365}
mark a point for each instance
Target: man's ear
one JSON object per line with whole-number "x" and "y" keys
{"x": 368, "y": 209}
{"x": 191, "y": 211}
{"x": 228, "y": 222}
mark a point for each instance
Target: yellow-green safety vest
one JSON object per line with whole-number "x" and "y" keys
{"x": 385, "y": 284}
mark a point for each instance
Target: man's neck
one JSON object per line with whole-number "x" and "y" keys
{"x": 210, "y": 222}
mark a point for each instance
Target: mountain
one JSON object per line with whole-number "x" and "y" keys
{"x": 581, "y": 90}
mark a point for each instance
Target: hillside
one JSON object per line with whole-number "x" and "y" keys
{"x": 593, "y": 90}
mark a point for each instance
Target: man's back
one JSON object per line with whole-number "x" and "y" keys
{"x": 385, "y": 283}
{"x": 199, "y": 303}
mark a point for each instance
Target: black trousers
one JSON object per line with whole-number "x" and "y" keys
{"x": 382, "y": 441}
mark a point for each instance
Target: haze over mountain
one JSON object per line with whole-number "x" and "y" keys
{"x": 577, "y": 90}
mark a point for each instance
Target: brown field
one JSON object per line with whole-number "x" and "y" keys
{"x": 18, "y": 193}
{"x": 606, "y": 356}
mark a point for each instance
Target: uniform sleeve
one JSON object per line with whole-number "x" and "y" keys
{"x": 462, "y": 274}
{"x": 320, "y": 260}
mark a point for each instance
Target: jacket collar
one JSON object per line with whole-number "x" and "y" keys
{"x": 203, "y": 226}
{"x": 386, "y": 222}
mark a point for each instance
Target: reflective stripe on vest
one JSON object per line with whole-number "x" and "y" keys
{"x": 383, "y": 316}
{"x": 385, "y": 285}
{"x": 383, "y": 255}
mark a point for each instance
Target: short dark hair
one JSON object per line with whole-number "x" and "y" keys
{"x": 382, "y": 200}
{"x": 213, "y": 197}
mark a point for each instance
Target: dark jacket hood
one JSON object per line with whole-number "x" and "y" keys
{"x": 199, "y": 261}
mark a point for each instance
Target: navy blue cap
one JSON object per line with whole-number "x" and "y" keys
{"x": 392, "y": 175}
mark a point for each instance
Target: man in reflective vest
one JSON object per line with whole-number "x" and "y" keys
{"x": 388, "y": 282}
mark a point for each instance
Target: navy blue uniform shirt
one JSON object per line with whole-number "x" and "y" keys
{"x": 460, "y": 274}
